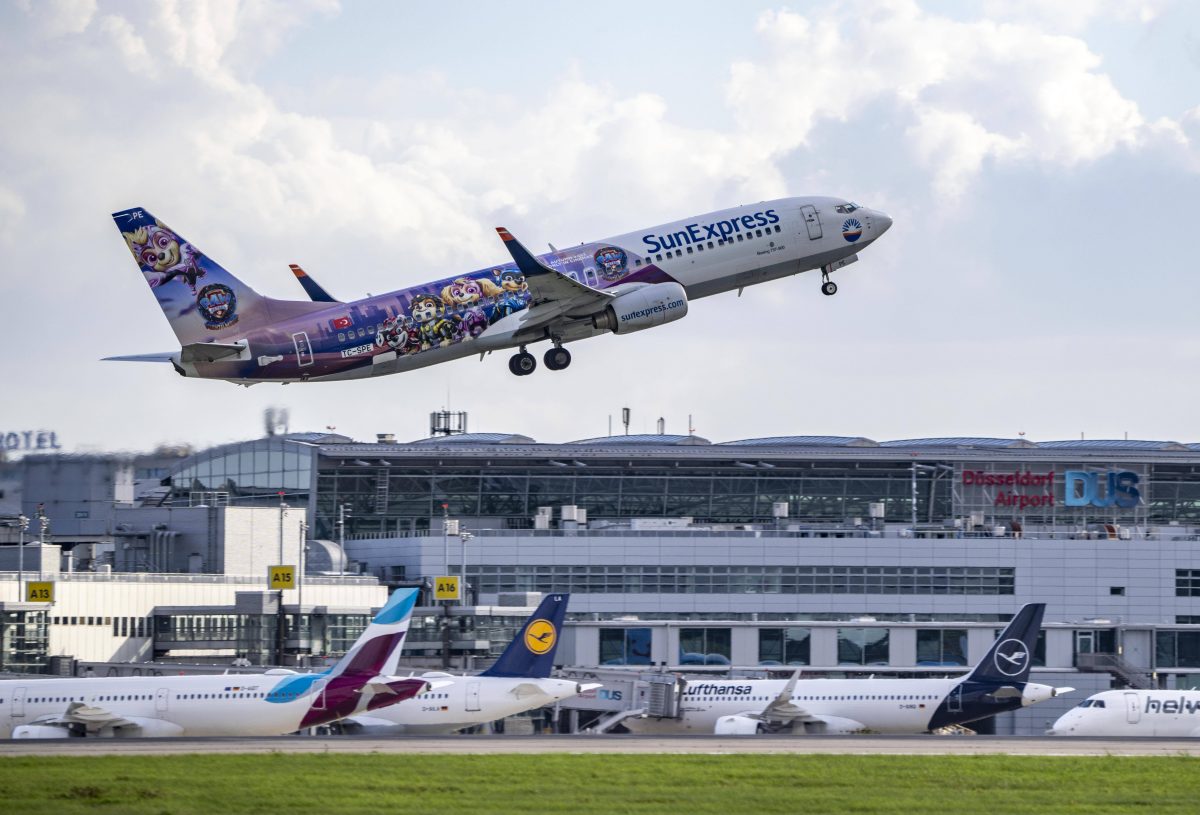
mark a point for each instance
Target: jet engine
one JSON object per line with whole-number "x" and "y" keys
{"x": 737, "y": 726}
{"x": 41, "y": 731}
{"x": 647, "y": 307}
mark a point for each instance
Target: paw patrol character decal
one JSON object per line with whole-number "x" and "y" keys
{"x": 514, "y": 292}
{"x": 217, "y": 304}
{"x": 400, "y": 334}
{"x": 611, "y": 262}
{"x": 428, "y": 313}
{"x": 163, "y": 256}
{"x": 466, "y": 295}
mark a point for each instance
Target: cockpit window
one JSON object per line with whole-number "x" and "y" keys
{"x": 1092, "y": 703}
{"x": 846, "y": 209}
{"x": 1098, "y": 703}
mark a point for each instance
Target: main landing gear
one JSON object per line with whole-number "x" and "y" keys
{"x": 524, "y": 363}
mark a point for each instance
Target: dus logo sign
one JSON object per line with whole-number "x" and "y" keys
{"x": 1101, "y": 489}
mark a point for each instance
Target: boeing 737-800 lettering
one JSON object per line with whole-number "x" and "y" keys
{"x": 627, "y": 283}
{"x": 270, "y": 704}
{"x": 843, "y": 706}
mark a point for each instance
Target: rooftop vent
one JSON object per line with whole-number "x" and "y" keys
{"x": 385, "y": 438}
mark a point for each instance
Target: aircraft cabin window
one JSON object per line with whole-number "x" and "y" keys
{"x": 341, "y": 336}
{"x": 758, "y": 233}
{"x": 739, "y": 237}
{"x": 699, "y": 247}
{"x": 637, "y": 263}
{"x": 689, "y": 250}
{"x": 658, "y": 257}
{"x": 776, "y": 227}
{"x": 710, "y": 244}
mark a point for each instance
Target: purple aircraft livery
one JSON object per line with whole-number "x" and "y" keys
{"x": 628, "y": 283}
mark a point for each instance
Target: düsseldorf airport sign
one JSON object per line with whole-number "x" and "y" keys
{"x": 1027, "y": 489}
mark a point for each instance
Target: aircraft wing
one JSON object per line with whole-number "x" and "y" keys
{"x": 91, "y": 717}
{"x": 781, "y": 709}
{"x": 548, "y": 285}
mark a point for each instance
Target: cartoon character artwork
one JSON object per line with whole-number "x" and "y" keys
{"x": 611, "y": 262}
{"x": 400, "y": 334}
{"x": 428, "y": 312}
{"x": 163, "y": 256}
{"x": 217, "y": 304}
{"x": 466, "y": 295}
{"x": 514, "y": 291}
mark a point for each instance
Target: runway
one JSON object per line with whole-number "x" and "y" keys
{"x": 698, "y": 745}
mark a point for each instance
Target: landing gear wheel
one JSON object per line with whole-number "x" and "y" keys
{"x": 829, "y": 288}
{"x": 522, "y": 364}
{"x": 557, "y": 358}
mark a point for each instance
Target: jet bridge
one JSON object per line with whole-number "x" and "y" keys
{"x": 625, "y": 694}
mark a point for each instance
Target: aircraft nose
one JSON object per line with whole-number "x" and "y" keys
{"x": 882, "y": 222}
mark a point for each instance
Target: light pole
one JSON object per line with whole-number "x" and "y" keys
{"x": 299, "y": 579}
{"x": 342, "y": 513}
{"x": 22, "y": 525}
{"x": 43, "y": 528}
{"x": 279, "y": 618}
{"x": 464, "y": 536}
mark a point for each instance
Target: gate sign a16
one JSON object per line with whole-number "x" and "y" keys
{"x": 1114, "y": 488}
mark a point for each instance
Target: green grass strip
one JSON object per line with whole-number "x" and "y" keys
{"x": 377, "y": 784}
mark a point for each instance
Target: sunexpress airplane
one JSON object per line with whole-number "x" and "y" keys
{"x": 271, "y": 704}
{"x": 623, "y": 284}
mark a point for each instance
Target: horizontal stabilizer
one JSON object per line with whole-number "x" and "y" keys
{"x": 165, "y": 356}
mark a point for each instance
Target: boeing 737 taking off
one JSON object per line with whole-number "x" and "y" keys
{"x": 623, "y": 284}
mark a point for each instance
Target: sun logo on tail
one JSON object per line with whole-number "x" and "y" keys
{"x": 540, "y": 636}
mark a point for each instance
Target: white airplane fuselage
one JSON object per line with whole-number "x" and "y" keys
{"x": 467, "y": 701}
{"x": 1118, "y": 713}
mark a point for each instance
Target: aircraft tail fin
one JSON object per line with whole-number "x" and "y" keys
{"x": 531, "y": 653}
{"x": 1011, "y": 655}
{"x": 377, "y": 651}
{"x": 202, "y": 301}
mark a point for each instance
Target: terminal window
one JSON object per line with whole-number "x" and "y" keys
{"x": 1187, "y": 582}
{"x": 705, "y": 646}
{"x": 863, "y": 646}
{"x": 784, "y": 646}
{"x": 1177, "y": 649}
{"x": 625, "y": 646}
{"x": 945, "y": 646}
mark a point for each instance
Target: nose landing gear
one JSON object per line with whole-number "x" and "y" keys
{"x": 828, "y": 287}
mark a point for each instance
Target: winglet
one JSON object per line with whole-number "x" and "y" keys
{"x": 313, "y": 289}
{"x": 526, "y": 262}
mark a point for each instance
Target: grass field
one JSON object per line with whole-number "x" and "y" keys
{"x": 600, "y": 784}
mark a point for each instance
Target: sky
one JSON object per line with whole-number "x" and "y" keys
{"x": 1041, "y": 163}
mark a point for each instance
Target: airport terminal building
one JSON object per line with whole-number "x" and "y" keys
{"x": 844, "y": 554}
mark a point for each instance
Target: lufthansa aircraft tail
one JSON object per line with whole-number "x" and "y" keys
{"x": 202, "y": 301}
{"x": 531, "y": 653}
{"x": 1011, "y": 655}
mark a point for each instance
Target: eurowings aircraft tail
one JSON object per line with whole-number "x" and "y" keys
{"x": 531, "y": 653}
{"x": 377, "y": 651}
{"x": 1011, "y": 656}
{"x": 201, "y": 300}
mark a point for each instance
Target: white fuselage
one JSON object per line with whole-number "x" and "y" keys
{"x": 465, "y": 702}
{"x": 1133, "y": 713}
{"x": 877, "y": 705}
{"x": 218, "y": 705}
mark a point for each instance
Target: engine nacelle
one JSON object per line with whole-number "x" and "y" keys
{"x": 643, "y": 308}
{"x": 736, "y": 726}
{"x": 41, "y": 731}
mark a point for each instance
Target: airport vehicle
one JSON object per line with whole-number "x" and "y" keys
{"x": 1133, "y": 713}
{"x": 518, "y": 681}
{"x": 271, "y": 704}
{"x": 623, "y": 284}
{"x": 844, "y": 706}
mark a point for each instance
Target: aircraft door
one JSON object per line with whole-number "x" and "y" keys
{"x": 18, "y": 703}
{"x": 473, "y": 696}
{"x": 1133, "y": 708}
{"x": 160, "y": 700}
{"x": 812, "y": 220}
{"x": 304, "y": 354}
{"x": 954, "y": 700}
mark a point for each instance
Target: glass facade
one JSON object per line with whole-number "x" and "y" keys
{"x": 945, "y": 646}
{"x": 1187, "y": 582}
{"x": 1177, "y": 649}
{"x": 489, "y": 579}
{"x": 705, "y": 646}
{"x": 24, "y": 641}
{"x": 863, "y": 646}
{"x": 252, "y": 473}
{"x": 624, "y": 646}
{"x": 784, "y": 646}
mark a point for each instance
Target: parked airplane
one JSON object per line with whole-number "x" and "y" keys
{"x": 842, "y": 706}
{"x": 623, "y": 284}
{"x": 519, "y": 681}
{"x": 270, "y": 704}
{"x": 1133, "y": 713}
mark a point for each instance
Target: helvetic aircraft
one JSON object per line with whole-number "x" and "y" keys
{"x": 843, "y": 706}
{"x": 519, "y": 681}
{"x": 628, "y": 283}
{"x": 271, "y": 704}
{"x": 1133, "y": 713}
